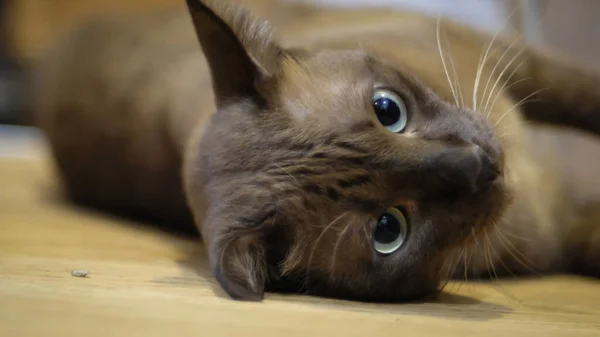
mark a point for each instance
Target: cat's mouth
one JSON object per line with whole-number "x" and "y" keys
{"x": 482, "y": 212}
{"x": 489, "y": 206}
{"x": 496, "y": 197}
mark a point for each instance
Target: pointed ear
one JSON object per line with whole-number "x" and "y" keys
{"x": 238, "y": 260}
{"x": 238, "y": 47}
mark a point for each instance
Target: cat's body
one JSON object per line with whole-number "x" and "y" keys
{"x": 128, "y": 106}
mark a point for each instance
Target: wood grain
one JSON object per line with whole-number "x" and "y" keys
{"x": 143, "y": 282}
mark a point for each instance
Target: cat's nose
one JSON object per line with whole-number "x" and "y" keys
{"x": 470, "y": 169}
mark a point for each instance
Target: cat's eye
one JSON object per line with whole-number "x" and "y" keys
{"x": 390, "y": 110}
{"x": 391, "y": 231}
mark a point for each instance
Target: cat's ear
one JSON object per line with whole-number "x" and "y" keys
{"x": 239, "y": 48}
{"x": 238, "y": 261}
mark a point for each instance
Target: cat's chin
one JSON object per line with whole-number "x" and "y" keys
{"x": 491, "y": 204}
{"x": 474, "y": 216}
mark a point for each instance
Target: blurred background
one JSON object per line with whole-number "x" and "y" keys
{"x": 28, "y": 27}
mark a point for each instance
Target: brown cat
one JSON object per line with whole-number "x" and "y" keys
{"x": 362, "y": 154}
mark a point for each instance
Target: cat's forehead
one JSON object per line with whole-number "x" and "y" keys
{"x": 326, "y": 67}
{"x": 349, "y": 65}
{"x": 324, "y": 83}
{"x": 338, "y": 83}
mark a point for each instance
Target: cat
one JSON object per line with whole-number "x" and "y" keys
{"x": 364, "y": 154}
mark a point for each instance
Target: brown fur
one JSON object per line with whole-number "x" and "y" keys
{"x": 285, "y": 166}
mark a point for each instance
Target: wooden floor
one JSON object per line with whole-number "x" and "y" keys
{"x": 142, "y": 282}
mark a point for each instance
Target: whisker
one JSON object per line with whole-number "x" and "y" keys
{"x": 485, "y": 90}
{"x": 477, "y": 77}
{"x": 474, "y": 236}
{"x": 335, "y": 248}
{"x": 444, "y": 271}
{"x": 462, "y": 256}
{"x": 504, "y": 291}
{"x": 447, "y": 276}
{"x": 454, "y": 73}
{"x": 466, "y": 264}
{"x": 366, "y": 233}
{"x": 499, "y": 258}
{"x": 504, "y": 134}
{"x": 487, "y": 253}
{"x": 440, "y": 272}
{"x": 521, "y": 102}
{"x": 510, "y": 251}
{"x": 508, "y": 233}
{"x": 324, "y": 227}
{"x": 461, "y": 281}
{"x": 500, "y": 76}
{"x": 483, "y": 56}
{"x": 315, "y": 245}
{"x": 487, "y": 262}
{"x": 502, "y": 90}
{"x": 444, "y": 60}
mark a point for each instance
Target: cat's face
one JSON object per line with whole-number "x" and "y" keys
{"x": 335, "y": 173}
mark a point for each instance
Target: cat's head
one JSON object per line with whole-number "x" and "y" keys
{"x": 334, "y": 171}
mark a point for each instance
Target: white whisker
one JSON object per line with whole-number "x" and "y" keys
{"x": 337, "y": 244}
{"x": 487, "y": 83}
{"x": 521, "y": 102}
{"x": 498, "y": 257}
{"x": 366, "y": 234}
{"x": 488, "y": 253}
{"x": 505, "y": 232}
{"x": 483, "y": 59}
{"x": 439, "y": 43}
{"x": 474, "y": 236}
{"x": 315, "y": 245}
{"x": 454, "y": 73}
{"x": 441, "y": 276}
{"x": 466, "y": 263}
{"x": 452, "y": 274}
{"x": 500, "y": 76}
{"x": 524, "y": 259}
{"x": 504, "y": 291}
{"x": 502, "y": 90}
{"x": 504, "y": 134}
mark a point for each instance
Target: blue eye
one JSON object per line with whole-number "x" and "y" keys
{"x": 391, "y": 231}
{"x": 390, "y": 110}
